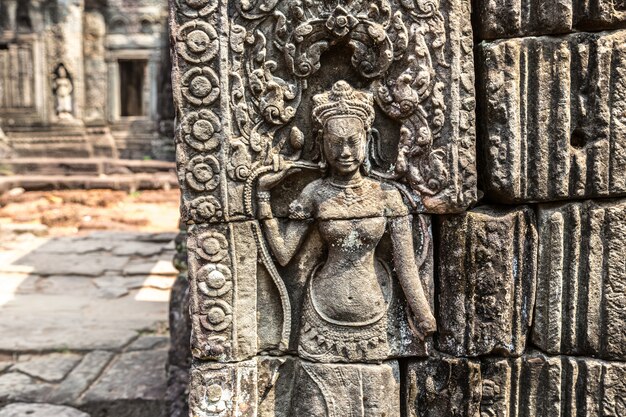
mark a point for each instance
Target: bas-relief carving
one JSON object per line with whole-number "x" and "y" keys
{"x": 63, "y": 89}
{"x": 302, "y": 188}
{"x": 409, "y": 55}
{"x": 345, "y": 305}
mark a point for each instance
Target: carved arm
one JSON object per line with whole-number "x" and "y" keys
{"x": 284, "y": 241}
{"x": 408, "y": 274}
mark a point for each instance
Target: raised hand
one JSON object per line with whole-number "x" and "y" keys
{"x": 281, "y": 169}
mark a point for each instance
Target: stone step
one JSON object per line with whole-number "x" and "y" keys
{"x": 82, "y": 166}
{"x": 129, "y": 182}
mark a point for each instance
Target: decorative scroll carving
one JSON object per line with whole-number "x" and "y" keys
{"x": 410, "y": 43}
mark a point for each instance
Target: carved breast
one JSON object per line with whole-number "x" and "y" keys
{"x": 348, "y": 288}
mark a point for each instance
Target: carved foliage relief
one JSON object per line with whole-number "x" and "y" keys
{"x": 247, "y": 69}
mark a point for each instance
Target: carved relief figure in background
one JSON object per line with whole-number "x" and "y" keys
{"x": 344, "y": 311}
{"x": 63, "y": 89}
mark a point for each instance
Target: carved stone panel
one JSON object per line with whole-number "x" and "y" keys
{"x": 554, "y": 117}
{"x": 242, "y": 303}
{"x": 581, "y": 308}
{"x": 511, "y": 18}
{"x": 287, "y": 387}
{"x": 487, "y": 281}
{"x": 245, "y": 74}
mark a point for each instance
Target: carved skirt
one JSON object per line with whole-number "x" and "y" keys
{"x": 322, "y": 341}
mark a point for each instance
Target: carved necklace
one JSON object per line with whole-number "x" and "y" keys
{"x": 348, "y": 193}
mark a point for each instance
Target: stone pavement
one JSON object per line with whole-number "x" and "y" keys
{"x": 83, "y": 321}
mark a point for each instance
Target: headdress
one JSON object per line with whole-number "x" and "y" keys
{"x": 343, "y": 100}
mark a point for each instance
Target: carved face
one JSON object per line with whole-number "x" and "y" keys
{"x": 344, "y": 144}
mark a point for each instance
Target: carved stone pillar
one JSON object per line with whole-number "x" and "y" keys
{"x": 313, "y": 141}
{"x": 69, "y": 50}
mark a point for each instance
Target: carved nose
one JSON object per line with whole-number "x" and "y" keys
{"x": 345, "y": 152}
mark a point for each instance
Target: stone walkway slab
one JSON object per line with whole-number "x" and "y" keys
{"x": 40, "y": 410}
{"x": 82, "y": 323}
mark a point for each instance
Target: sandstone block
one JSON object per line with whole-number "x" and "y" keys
{"x": 581, "y": 294}
{"x": 555, "y": 119}
{"x": 286, "y": 386}
{"x": 532, "y": 385}
{"x": 512, "y": 18}
{"x": 487, "y": 281}
{"x": 443, "y": 387}
{"x": 243, "y": 95}
{"x": 242, "y": 303}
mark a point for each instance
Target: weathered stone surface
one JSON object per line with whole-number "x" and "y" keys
{"x": 555, "y": 121}
{"x": 270, "y": 386}
{"x": 40, "y": 410}
{"x": 237, "y": 311}
{"x": 50, "y": 368}
{"x": 487, "y": 281}
{"x": 512, "y": 18}
{"x": 148, "y": 342}
{"x": 533, "y": 385}
{"x": 238, "y": 107}
{"x": 179, "y": 356}
{"x": 15, "y": 387}
{"x": 443, "y": 387}
{"x": 86, "y": 372}
{"x": 155, "y": 266}
{"x": 581, "y": 302}
{"x": 92, "y": 265}
{"x": 133, "y": 385}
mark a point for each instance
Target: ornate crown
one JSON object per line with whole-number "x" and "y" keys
{"x": 343, "y": 100}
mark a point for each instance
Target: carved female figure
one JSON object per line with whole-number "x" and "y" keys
{"x": 63, "y": 89}
{"x": 344, "y": 311}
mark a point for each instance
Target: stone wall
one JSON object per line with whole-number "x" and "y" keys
{"x": 355, "y": 172}
{"x": 62, "y": 80}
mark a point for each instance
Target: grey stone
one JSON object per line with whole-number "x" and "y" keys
{"x": 553, "y": 125}
{"x": 112, "y": 292}
{"x": 515, "y": 18}
{"x": 179, "y": 355}
{"x": 286, "y": 386}
{"x": 64, "y": 245}
{"x": 61, "y": 285}
{"x": 119, "y": 282}
{"x": 532, "y": 385}
{"x": 40, "y": 410}
{"x": 439, "y": 387}
{"x": 487, "y": 281}
{"x": 163, "y": 238}
{"x": 86, "y": 372}
{"x": 148, "y": 342}
{"x": 132, "y": 376}
{"x": 138, "y": 248}
{"x": 15, "y": 387}
{"x": 156, "y": 266}
{"x": 258, "y": 312}
{"x": 431, "y": 151}
{"x": 72, "y": 264}
{"x": 581, "y": 302}
{"x": 51, "y": 368}
{"x": 81, "y": 110}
